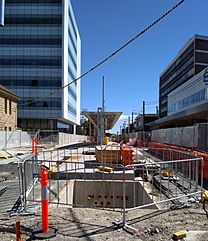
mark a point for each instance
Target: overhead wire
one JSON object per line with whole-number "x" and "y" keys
{"x": 111, "y": 55}
{"x": 108, "y": 57}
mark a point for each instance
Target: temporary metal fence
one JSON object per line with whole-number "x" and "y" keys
{"x": 26, "y": 169}
{"x": 176, "y": 181}
{"x": 60, "y": 138}
{"x": 55, "y": 137}
{"x": 76, "y": 179}
{"x": 65, "y": 138}
{"x": 14, "y": 139}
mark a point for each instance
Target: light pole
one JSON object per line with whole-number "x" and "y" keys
{"x": 128, "y": 125}
{"x": 143, "y": 110}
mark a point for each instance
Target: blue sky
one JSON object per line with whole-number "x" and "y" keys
{"x": 133, "y": 75}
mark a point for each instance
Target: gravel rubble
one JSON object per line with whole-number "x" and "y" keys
{"x": 95, "y": 225}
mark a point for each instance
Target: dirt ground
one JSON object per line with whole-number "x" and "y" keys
{"x": 93, "y": 224}
{"x": 8, "y": 172}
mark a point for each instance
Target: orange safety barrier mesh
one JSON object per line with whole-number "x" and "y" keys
{"x": 174, "y": 156}
{"x": 139, "y": 143}
{"x": 127, "y": 155}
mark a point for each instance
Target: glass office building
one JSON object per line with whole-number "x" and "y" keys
{"x": 191, "y": 94}
{"x": 191, "y": 60}
{"x": 39, "y": 54}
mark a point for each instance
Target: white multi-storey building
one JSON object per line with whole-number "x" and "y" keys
{"x": 40, "y": 53}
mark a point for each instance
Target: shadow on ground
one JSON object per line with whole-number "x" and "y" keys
{"x": 78, "y": 145}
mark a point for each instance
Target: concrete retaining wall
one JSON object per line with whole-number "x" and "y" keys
{"x": 109, "y": 194}
{"x": 65, "y": 138}
{"x": 59, "y": 138}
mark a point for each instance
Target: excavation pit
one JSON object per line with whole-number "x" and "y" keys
{"x": 110, "y": 194}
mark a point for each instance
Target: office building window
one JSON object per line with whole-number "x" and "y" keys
{"x": 31, "y": 62}
{"x": 188, "y": 101}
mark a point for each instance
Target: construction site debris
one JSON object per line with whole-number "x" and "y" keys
{"x": 152, "y": 231}
{"x": 105, "y": 168}
{"x": 107, "y": 195}
{"x": 142, "y": 171}
{"x": 193, "y": 200}
{"x": 96, "y": 224}
{"x": 108, "y": 154}
{"x": 167, "y": 174}
{"x": 132, "y": 141}
{"x": 179, "y": 235}
{"x": 127, "y": 155}
{"x": 5, "y": 154}
{"x": 204, "y": 200}
{"x": 88, "y": 153}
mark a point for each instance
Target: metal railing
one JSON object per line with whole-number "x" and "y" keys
{"x": 157, "y": 176}
{"x": 175, "y": 182}
{"x": 14, "y": 139}
{"x": 26, "y": 169}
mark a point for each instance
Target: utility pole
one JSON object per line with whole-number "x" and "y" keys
{"x": 128, "y": 124}
{"x": 143, "y": 110}
{"x": 157, "y": 110}
{"x": 124, "y": 126}
{"x": 102, "y": 121}
{"x": 103, "y": 95}
{"x": 99, "y": 120}
{"x": 132, "y": 121}
{"x": 103, "y": 109}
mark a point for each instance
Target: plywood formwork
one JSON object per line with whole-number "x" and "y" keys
{"x": 108, "y": 154}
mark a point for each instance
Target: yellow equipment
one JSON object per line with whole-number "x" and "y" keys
{"x": 105, "y": 169}
{"x": 167, "y": 174}
{"x": 106, "y": 140}
{"x": 179, "y": 235}
{"x": 3, "y": 155}
{"x": 53, "y": 169}
{"x": 204, "y": 198}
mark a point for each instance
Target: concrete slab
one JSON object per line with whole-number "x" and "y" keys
{"x": 91, "y": 175}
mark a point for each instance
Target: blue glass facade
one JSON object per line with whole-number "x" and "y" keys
{"x": 33, "y": 60}
{"x": 191, "y": 60}
{"x": 190, "y": 94}
{"x": 188, "y": 101}
{"x": 72, "y": 63}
